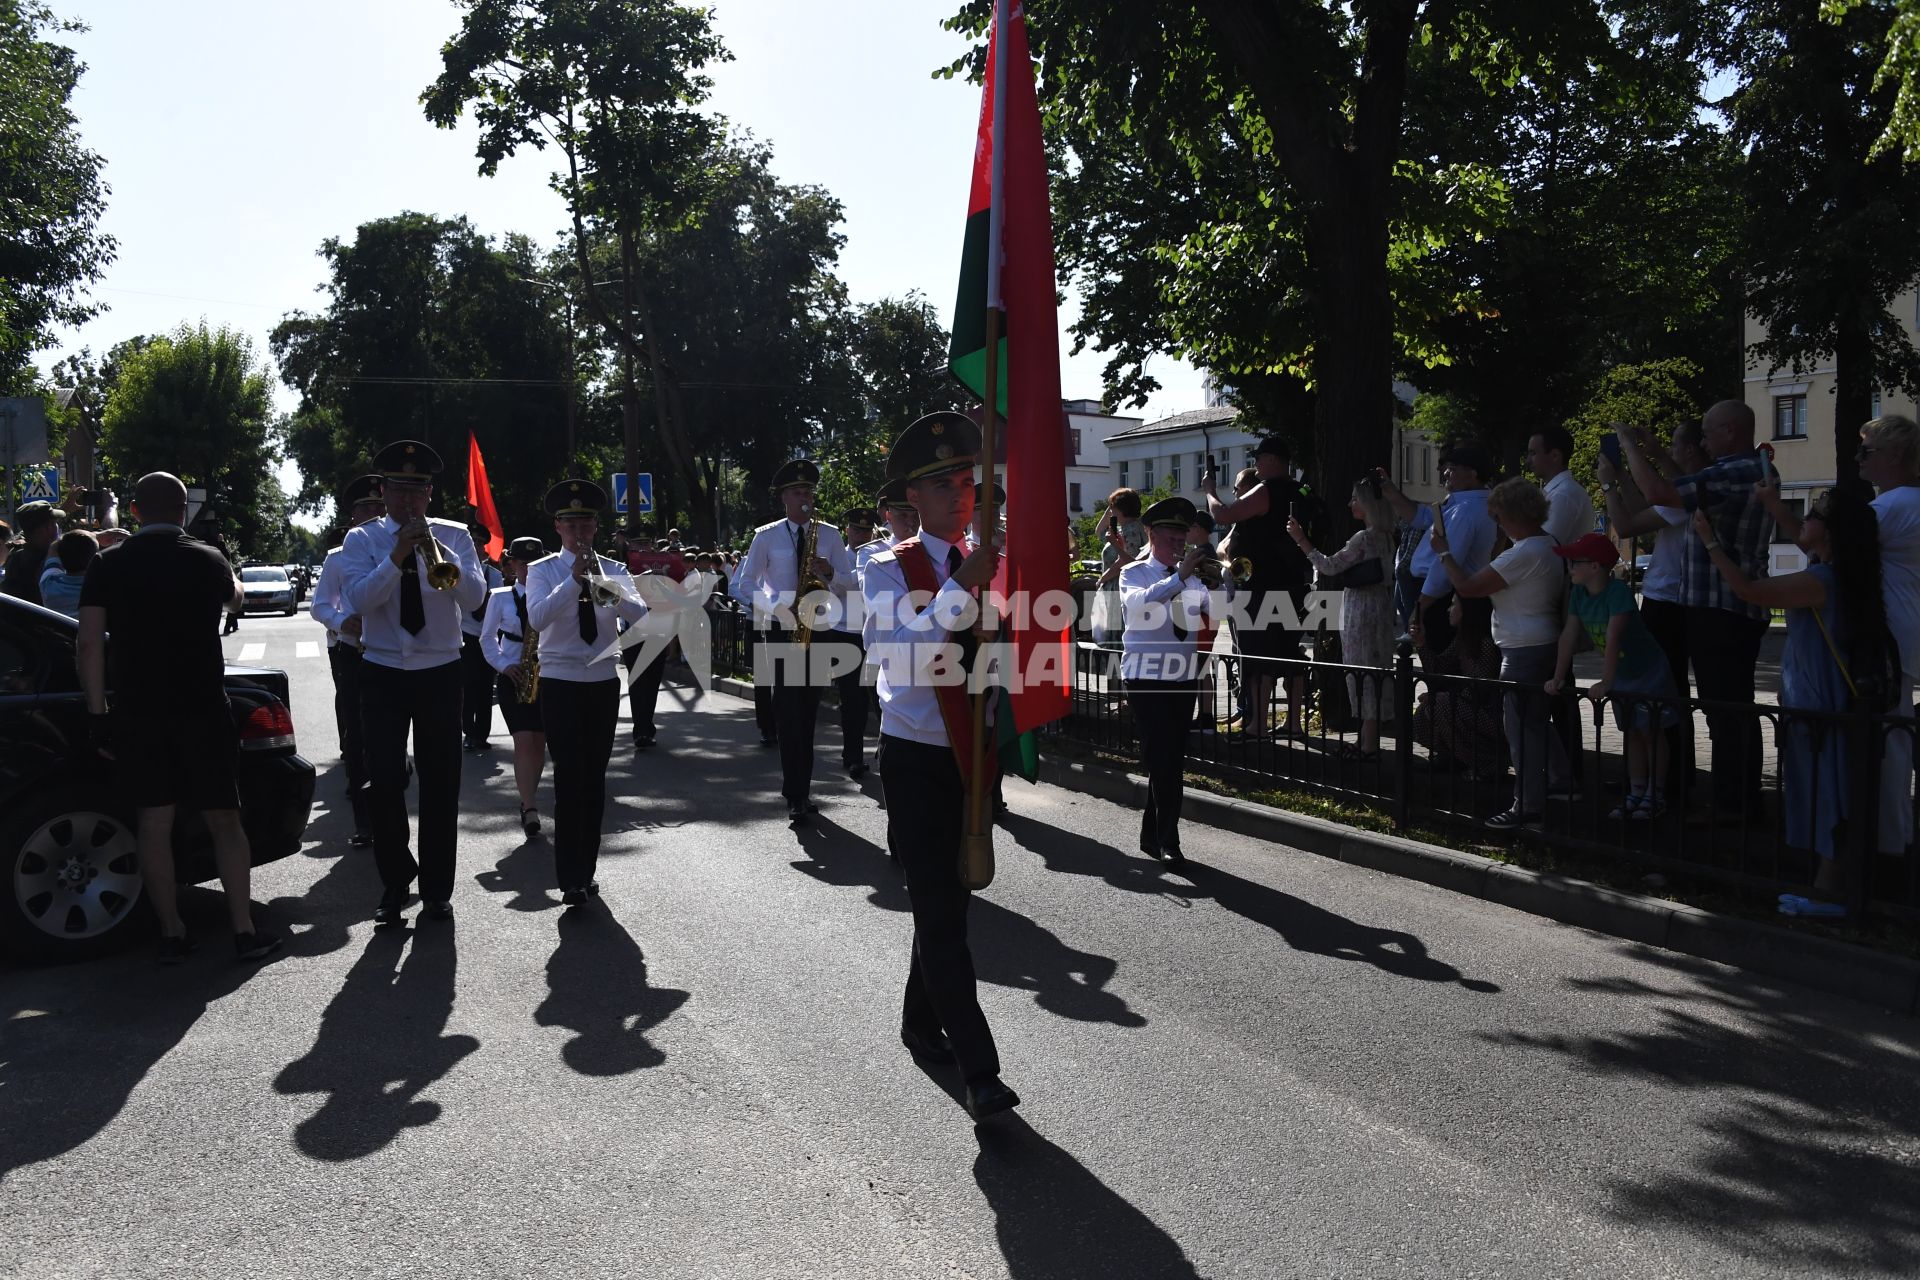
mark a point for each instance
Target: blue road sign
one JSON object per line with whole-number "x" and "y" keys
{"x": 619, "y": 487}
{"x": 43, "y": 485}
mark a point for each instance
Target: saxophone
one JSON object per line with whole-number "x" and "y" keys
{"x": 802, "y": 620}
{"x": 528, "y": 685}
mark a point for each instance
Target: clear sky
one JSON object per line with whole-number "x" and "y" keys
{"x": 239, "y": 134}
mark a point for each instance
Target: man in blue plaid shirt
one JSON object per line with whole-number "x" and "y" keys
{"x": 1723, "y": 632}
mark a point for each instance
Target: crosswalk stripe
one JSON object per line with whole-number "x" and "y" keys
{"x": 307, "y": 649}
{"x": 252, "y": 652}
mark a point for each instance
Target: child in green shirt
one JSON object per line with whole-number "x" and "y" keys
{"x": 1636, "y": 674}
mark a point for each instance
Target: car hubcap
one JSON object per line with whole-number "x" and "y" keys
{"x": 77, "y": 876}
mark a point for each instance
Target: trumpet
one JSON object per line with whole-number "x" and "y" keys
{"x": 442, "y": 573}
{"x": 1214, "y": 572}
{"x": 600, "y": 590}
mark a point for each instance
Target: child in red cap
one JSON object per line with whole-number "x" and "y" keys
{"x": 1636, "y": 672}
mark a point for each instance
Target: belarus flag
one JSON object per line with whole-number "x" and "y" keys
{"x": 1007, "y": 268}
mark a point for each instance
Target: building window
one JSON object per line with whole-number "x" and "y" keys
{"x": 1073, "y": 497}
{"x": 1876, "y": 403}
{"x": 1076, "y": 442}
{"x": 1790, "y": 417}
{"x": 1426, "y": 465}
{"x": 1146, "y": 468}
{"x": 1248, "y": 464}
{"x": 1173, "y": 472}
{"x": 1123, "y": 473}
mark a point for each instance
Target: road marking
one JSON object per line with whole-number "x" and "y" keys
{"x": 252, "y": 652}
{"x": 307, "y": 649}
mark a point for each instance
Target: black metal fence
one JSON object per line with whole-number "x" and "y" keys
{"x": 1443, "y": 761}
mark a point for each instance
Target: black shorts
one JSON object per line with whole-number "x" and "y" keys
{"x": 184, "y": 759}
{"x": 1276, "y": 639}
{"x": 521, "y": 717}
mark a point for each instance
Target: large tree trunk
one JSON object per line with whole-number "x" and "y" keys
{"x": 1353, "y": 362}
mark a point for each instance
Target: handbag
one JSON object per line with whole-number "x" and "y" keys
{"x": 1370, "y": 572}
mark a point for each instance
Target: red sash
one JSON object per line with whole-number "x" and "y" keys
{"x": 956, "y": 707}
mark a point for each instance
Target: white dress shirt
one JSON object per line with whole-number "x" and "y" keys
{"x": 471, "y": 625}
{"x": 371, "y": 588}
{"x": 329, "y": 605}
{"x": 864, "y": 553}
{"x": 1153, "y": 597}
{"x": 502, "y": 621}
{"x": 910, "y": 640}
{"x": 553, "y": 607}
{"x": 1569, "y": 509}
{"x": 769, "y": 577}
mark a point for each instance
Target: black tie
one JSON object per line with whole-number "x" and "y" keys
{"x": 589, "y": 619}
{"x": 1173, "y": 610}
{"x": 413, "y": 610}
{"x": 969, "y": 642}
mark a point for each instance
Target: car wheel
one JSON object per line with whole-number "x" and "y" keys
{"x": 72, "y": 877}
{"x": 294, "y": 608}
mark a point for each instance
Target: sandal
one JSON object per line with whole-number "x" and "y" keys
{"x": 1627, "y": 808}
{"x": 1510, "y": 820}
{"x": 1348, "y": 751}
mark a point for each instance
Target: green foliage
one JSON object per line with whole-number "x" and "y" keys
{"x": 197, "y": 403}
{"x": 431, "y": 330}
{"x": 1841, "y": 237}
{"x": 1899, "y": 71}
{"x": 51, "y": 195}
{"x": 1656, "y": 395}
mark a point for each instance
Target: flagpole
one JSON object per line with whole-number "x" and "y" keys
{"x": 976, "y": 849}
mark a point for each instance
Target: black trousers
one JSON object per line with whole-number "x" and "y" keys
{"x": 476, "y": 700}
{"x": 763, "y": 715}
{"x": 345, "y": 662}
{"x": 1668, "y": 623}
{"x": 796, "y": 709}
{"x": 1163, "y": 715}
{"x": 425, "y": 704}
{"x": 643, "y": 691}
{"x": 1436, "y": 623}
{"x": 580, "y": 717}
{"x": 926, "y": 815}
{"x": 855, "y": 698}
{"x": 1724, "y": 647}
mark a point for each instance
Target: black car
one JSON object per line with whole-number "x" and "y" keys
{"x": 71, "y": 874}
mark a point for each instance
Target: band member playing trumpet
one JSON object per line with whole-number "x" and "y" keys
{"x": 512, "y": 649}
{"x": 576, "y": 601}
{"x": 777, "y": 572}
{"x": 359, "y": 503}
{"x": 409, "y": 579}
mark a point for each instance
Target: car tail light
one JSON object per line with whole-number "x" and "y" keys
{"x": 267, "y": 727}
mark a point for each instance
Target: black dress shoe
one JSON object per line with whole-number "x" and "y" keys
{"x": 1173, "y": 855}
{"x": 765, "y": 741}
{"x": 438, "y": 911}
{"x": 1149, "y": 848}
{"x": 988, "y": 1097}
{"x": 643, "y": 744}
{"x": 797, "y": 810}
{"x": 933, "y": 1048}
{"x": 572, "y": 897}
{"x": 592, "y": 889}
{"x": 856, "y": 770}
{"x": 360, "y": 840}
{"x": 390, "y": 910}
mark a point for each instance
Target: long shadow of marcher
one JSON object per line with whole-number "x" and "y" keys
{"x": 527, "y": 873}
{"x": 1070, "y": 853}
{"x": 381, "y": 1044}
{"x": 1320, "y": 932}
{"x": 1056, "y": 1221}
{"x": 597, "y": 980}
{"x": 1009, "y": 950}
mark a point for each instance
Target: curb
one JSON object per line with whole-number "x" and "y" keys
{"x": 1840, "y": 968}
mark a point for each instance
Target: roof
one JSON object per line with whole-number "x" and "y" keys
{"x": 1221, "y": 416}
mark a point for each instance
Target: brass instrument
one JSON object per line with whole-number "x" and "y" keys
{"x": 1214, "y": 572}
{"x": 527, "y": 685}
{"x": 600, "y": 590}
{"x": 809, "y": 549}
{"x": 442, "y": 573}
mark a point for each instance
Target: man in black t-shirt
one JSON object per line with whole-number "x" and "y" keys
{"x": 160, "y": 595}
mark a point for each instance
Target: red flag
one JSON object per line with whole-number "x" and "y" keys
{"x": 1007, "y": 265}
{"x": 480, "y": 497}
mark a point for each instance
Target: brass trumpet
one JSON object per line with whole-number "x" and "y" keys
{"x": 1214, "y": 572}
{"x": 599, "y": 589}
{"x": 442, "y": 573}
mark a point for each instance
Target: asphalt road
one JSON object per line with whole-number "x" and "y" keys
{"x": 1270, "y": 1065}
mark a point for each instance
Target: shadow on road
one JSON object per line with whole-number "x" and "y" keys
{"x": 526, "y": 873}
{"x": 381, "y": 1045}
{"x": 1055, "y": 1219}
{"x": 1009, "y": 950}
{"x": 1809, "y": 1162}
{"x": 597, "y": 986}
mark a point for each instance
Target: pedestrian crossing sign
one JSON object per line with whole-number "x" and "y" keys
{"x": 619, "y": 487}
{"x": 43, "y": 485}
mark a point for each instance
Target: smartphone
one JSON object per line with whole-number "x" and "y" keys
{"x": 1610, "y": 450}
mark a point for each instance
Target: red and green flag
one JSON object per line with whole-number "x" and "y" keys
{"x": 1006, "y": 268}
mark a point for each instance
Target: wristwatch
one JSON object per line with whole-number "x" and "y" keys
{"x": 1609, "y": 486}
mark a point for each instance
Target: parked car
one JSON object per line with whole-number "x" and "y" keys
{"x": 67, "y": 858}
{"x": 268, "y": 587}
